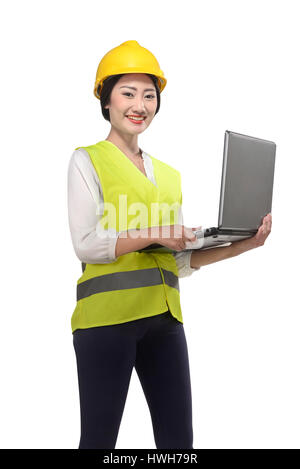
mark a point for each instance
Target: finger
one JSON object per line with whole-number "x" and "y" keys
{"x": 266, "y": 219}
{"x": 259, "y": 232}
{"x": 269, "y": 221}
{"x": 268, "y": 226}
{"x": 189, "y": 235}
{"x": 182, "y": 245}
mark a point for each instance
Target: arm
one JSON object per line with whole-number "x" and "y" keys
{"x": 91, "y": 243}
{"x": 85, "y": 204}
{"x": 183, "y": 258}
{"x": 201, "y": 257}
{"x": 209, "y": 256}
{"x": 124, "y": 245}
{"x": 132, "y": 240}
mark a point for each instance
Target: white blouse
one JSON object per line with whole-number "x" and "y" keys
{"x": 85, "y": 208}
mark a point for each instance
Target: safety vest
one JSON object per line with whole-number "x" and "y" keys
{"x": 137, "y": 284}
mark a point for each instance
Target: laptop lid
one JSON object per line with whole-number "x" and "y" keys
{"x": 247, "y": 181}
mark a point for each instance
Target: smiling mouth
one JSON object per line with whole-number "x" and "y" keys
{"x": 136, "y": 118}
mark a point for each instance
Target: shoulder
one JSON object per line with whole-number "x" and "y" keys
{"x": 163, "y": 165}
{"x": 80, "y": 161}
{"x": 79, "y": 156}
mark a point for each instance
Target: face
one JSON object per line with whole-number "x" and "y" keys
{"x": 133, "y": 95}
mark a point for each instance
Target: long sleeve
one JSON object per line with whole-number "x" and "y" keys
{"x": 85, "y": 208}
{"x": 183, "y": 258}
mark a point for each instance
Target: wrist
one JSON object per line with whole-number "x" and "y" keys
{"x": 147, "y": 235}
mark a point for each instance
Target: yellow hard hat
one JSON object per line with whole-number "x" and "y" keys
{"x": 128, "y": 57}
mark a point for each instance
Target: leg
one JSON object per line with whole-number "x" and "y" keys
{"x": 162, "y": 365}
{"x": 105, "y": 358}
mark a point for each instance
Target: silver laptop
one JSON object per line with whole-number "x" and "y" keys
{"x": 245, "y": 196}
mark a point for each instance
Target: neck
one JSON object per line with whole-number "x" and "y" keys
{"x": 127, "y": 143}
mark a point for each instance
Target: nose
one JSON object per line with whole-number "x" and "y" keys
{"x": 139, "y": 106}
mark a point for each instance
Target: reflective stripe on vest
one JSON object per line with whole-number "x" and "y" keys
{"x": 125, "y": 280}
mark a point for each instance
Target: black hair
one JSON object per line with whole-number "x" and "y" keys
{"x": 108, "y": 85}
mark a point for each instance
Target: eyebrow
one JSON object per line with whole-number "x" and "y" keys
{"x": 133, "y": 88}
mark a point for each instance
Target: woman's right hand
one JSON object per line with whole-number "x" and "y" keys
{"x": 175, "y": 236}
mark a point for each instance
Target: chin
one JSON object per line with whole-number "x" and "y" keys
{"x": 136, "y": 130}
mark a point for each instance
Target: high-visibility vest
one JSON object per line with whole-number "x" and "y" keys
{"x": 137, "y": 284}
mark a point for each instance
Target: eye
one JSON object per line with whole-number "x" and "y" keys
{"x": 152, "y": 96}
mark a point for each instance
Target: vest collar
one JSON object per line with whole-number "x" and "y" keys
{"x": 129, "y": 162}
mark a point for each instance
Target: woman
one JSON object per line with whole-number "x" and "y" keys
{"x": 128, "y": 310}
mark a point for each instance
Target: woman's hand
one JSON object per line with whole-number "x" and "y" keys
{"x": 175, "y": 236}
{"x": 260, "y": 237}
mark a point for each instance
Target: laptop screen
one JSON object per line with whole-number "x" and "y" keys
{"x": 247, "y": 181}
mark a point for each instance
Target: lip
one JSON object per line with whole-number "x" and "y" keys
{"x": 135, "y": 122}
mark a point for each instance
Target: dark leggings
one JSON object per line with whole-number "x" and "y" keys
{"x": 156, "y": 346}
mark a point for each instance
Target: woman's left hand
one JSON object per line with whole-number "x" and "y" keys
{"x": 263, "y": 232}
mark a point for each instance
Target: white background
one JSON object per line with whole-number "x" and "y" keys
{"x": 230, "y": 65}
